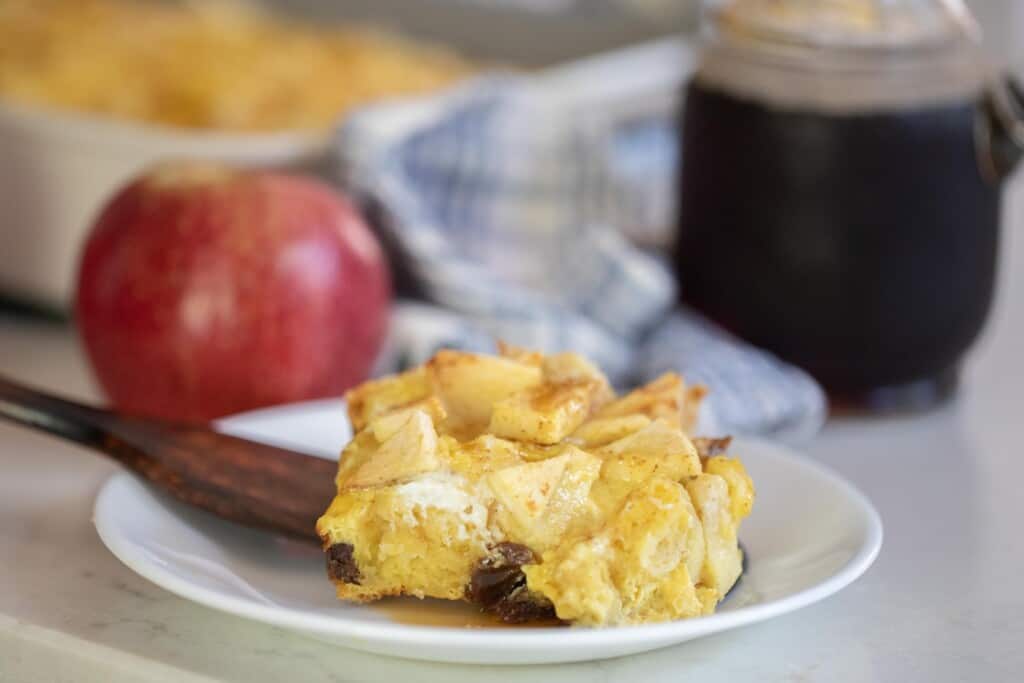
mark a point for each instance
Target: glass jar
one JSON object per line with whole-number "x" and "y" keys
{"x": 839, "y": 191}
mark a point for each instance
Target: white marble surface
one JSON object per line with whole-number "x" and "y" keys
{"x": 944, "y": 601}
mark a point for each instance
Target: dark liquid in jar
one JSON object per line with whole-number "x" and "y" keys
{"x": 859, "y": 246}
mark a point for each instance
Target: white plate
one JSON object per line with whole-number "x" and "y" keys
{"x": 810, "y": 534}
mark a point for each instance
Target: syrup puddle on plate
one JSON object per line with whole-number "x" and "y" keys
{"x": 446, "y": 613}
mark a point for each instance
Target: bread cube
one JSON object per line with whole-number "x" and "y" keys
{"x": 723, "y": 559}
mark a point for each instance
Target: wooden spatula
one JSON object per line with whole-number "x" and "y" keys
{"x": 246, "y": 482}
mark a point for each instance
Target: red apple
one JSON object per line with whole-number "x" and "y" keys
{"x": 206, "y": 290}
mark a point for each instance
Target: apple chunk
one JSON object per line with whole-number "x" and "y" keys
{"x": 665, "y": 398}
{"x": 545, "y": 414}
{"x": 601, "y": 431}
{"x": 410, "y": 452}
{"x": 469, "y": 384}
{"x": 541, "y": 499}
{"x": 660, "y": 446}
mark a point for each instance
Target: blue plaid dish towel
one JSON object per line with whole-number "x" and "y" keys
{"x": 507, "y": 201}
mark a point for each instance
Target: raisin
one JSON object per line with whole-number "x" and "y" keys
{"x": 498, "y": 585}
{"x": 341, "y": 564}
{"x": 707, "y": 448}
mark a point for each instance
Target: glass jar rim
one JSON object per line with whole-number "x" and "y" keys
{"x": 734, "y": 22}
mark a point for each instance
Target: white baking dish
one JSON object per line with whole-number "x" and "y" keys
{"x": 57, "y": 169}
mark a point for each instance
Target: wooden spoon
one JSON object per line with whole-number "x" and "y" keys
{"x": 244, "y": 481}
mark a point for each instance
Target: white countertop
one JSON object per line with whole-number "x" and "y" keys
{"x": 944, "y": 601}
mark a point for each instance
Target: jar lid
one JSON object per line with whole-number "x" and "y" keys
{"x": 844, "y": 23}
{"x": 844, "y": 55}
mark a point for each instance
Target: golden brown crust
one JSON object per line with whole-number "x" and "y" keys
{"x": 527, "y": 487}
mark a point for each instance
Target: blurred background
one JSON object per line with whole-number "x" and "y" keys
{"x": 534, "y": 170}
{"x": 809, "y": 206}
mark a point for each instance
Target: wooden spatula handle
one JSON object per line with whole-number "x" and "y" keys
{"x": 63, "y": 418}
{"x": 244, "y": 481}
